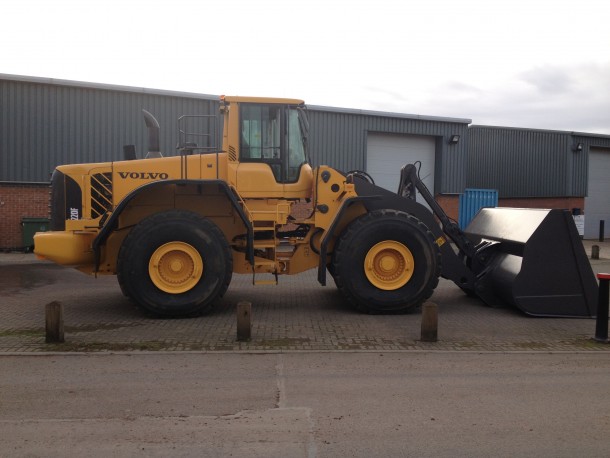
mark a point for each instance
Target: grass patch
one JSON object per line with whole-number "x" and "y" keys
{"x": 282, "y": 342}
{"x": 467, "y": 344}
{"x": 587, "y": 343}
{"x": 33, "y": 332}
{"x": 532, "y": 345}
{"x": 100, "y": 327}
{"x": 108, "y": 346}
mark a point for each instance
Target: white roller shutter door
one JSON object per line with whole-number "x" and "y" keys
{"x": 597, "y": 203}
{"x": 387, "y": 153}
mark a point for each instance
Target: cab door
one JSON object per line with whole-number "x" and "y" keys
{"x": 271, "y": 153}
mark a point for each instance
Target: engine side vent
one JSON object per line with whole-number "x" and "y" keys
{"x": 101, "y": 194}
{"x": 232, "y": 154}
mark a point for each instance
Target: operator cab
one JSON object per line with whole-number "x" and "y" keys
{"x": 272, "y": 144}
{"x": 274, "y": 135}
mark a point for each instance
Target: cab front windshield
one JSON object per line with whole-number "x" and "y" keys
{"x": 275, "y": 135}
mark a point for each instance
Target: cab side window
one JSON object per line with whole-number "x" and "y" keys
{"x": 296, "y": 148}
{"x": 260, "y": 132}
{"x": 272, "y": 134}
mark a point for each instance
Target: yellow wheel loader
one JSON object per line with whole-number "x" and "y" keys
{"x": 174, "y": 229}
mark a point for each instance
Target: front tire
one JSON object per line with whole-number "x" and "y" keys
{"x": 386, "y": 262}
{"x": 175, "y": 264}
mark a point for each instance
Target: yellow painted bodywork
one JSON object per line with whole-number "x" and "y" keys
{"x": 266, "y": 203}
{"x": 129, "y": 175}
{"x": 65, "y": 247}
{"x": 255, "y": 180}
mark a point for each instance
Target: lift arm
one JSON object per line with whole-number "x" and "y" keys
{"x": 410, "y": 183}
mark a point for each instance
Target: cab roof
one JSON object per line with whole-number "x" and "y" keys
{"x": 281, "y": 101}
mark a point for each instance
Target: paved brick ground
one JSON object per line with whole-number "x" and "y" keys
{"x": 296, "y": 315}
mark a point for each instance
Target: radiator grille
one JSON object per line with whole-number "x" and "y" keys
{"x": 232, "y": 154}
{"x": 101, "y": 194}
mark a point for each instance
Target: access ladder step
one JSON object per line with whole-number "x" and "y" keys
{"x": 258, "y": 281}
{"x": 267, "y": 243}
{"x": 265, "y": 282}
{"x": 263, "y": 225}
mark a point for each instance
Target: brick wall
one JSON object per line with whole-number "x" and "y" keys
{"x": 545, "y": 202}
{"x": 19, "y": 201}
{"x": 450, "y": 203}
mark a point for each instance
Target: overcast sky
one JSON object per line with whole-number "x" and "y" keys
{"x": 525, "y": 63}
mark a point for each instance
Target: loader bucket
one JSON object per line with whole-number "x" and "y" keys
{"x": 534, "y": 260}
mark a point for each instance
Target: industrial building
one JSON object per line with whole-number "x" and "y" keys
{"x": 544, "y": 169}
{"x": 47, "y": 122}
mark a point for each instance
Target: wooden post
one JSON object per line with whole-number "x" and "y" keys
{"x": 595, "y": 252}
{"x": 244, "y": 321}
{"x": 54, "y": 322}
{"x": 429, "y": 322}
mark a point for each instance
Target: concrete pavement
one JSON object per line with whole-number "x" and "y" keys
{"x": 409, "y": 404}
{"x": 316, "y": 380}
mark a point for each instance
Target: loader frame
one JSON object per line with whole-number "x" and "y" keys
{"x": 149, "y": 222}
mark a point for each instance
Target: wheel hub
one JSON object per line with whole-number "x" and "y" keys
{"x": 389, "y": 265}
{"x": 175, "y": 267}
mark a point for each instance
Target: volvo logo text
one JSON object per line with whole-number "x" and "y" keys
{"x": 144, "y": 175}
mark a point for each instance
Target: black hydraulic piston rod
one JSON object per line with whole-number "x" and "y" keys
{"x": 409, "y": 182}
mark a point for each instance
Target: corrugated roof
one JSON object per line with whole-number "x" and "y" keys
{"x": 549, "y": 131}
{"x": 107, "y": 87}
{"x": 389, "y": 114}
{"x": 143, "y": 90}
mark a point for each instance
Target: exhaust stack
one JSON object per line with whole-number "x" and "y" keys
{"x": 152, "y": 124}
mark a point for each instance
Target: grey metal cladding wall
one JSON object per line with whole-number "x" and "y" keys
{"x": 45, "y": 125}
{"x": 522, "y": 162}
{"x": 581, "y": 159}
{"x": 336, "y": 140}
{"x": 339, "y": 138}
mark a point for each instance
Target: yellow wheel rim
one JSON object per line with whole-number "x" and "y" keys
{"x": 175, "y": 267}
{"x": 389, "y": 265}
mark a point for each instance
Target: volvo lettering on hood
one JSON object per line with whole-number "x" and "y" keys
{"x": 144, "y": 175}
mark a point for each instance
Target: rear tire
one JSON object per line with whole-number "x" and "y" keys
{"x": 386, "y": 262}
{"x": 175, "y": 264}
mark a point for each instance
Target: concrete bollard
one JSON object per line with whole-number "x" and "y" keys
{"x": 429, "y": 322}
{"x": 244, "y": 321}
{"x": 595, "y": 252}
{"x": 54, "y": 322}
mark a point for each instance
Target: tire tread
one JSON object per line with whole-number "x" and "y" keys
{"x": 342, "y": 254}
